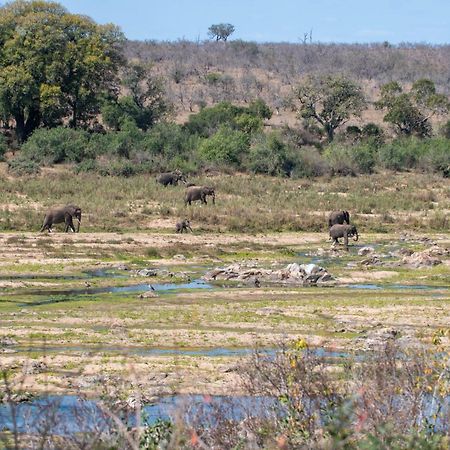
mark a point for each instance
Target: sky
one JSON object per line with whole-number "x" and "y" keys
{"x": 346, "y": 21}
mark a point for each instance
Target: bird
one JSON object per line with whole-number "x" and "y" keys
{"x": 151, "y": 287}
{"x": 87, "y": 284}
{"x": 257, "y": 283}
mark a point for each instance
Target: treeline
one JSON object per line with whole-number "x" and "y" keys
{"x": 74, "y": 91}
{"x": 228, "y": 138}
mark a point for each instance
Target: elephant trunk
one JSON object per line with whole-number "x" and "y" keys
{"x": 79, "y": 223}
{"x": 214, "y": 199}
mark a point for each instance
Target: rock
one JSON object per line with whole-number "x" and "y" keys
{"x": 6, "y": 340}
{"x": 148, "y": 294}
{"x": 180, "y": 257}
{"x": 34, "y": 367}
{"x": 421, "y": 259}
{"x": 365, "y": 251}
{"x": 19, "y": 397}
{"x": 120, "y": 267}
{"x": 147, "y": 272}
{"x": 373, "y": 260}
{"x": 306, "y": 274}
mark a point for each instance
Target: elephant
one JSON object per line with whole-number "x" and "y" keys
{"x": 194, "y": 193}
{"x": 171, "y": 178}
{"x": 343, "y": 230}
{"x": 184, "y": 225}
{"x": 339, "y": 217}
{"x": 63, "y": 214}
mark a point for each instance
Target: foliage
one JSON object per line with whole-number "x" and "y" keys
{"x": 157, "y": 436}
{"x": 220, "y": 31}
{"x": 54, "y": 65}
{"x": 410, "y": 112}
{"x": 145, "y": 105}
{"x": 23, "y": 166}
{"x": 268, "y": 155}
{"x": 227, "y": 146}
{"x": 350, "y": 160}
{"x": 56, "y": 145}
{"x": 330, "y": 101}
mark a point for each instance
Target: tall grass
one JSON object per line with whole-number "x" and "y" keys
{"x": 244, "y": 203}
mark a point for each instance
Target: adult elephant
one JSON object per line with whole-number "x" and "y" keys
{"x": 194, "y": 193}
{"x": 171, "y": 178}
{"x": 339, "y": 217}
{"x": 63, "y": 214}
{"x": 343, "y": 231}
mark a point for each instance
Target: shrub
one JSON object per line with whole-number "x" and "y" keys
{"x": 401, "y": 154}
{"x": 227, "y": 146}
{"x": 268, "y": 155}
{"x": 23, "y": 166}
{"x": 55, "y": 145}
{"x": 350, "y": 160}
{"x": 308, "y": 162}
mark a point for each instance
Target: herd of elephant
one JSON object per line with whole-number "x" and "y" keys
{"x": 338, "y": 221}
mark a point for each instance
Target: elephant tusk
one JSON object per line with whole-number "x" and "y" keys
{"x": 356, "y": 237}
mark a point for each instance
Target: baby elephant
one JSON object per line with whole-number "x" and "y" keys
{"x": 64, "y": 214}
{"x": 184, "y": 225}
{"x": 343, "y": 230}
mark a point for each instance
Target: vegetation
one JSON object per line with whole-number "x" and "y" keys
{"x": 54, "y": 65}
{"x": 221, "y": 31}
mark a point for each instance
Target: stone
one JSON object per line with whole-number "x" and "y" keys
{"x": 365, "y": 251}
{"x": 147, "y": 272}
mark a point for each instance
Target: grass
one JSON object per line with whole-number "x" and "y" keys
{"x": 244, "y": 203}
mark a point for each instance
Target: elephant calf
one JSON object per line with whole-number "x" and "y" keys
{"x": 184, "y": 225}
{"x": 194, "y": 193}
{"x": 343, "y": 230}
{"x": 340, "y": 217}
{"x": 64, "y": 214}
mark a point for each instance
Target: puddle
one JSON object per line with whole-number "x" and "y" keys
{"x": 141, "y": 287}
{"x": 142, "y": 351}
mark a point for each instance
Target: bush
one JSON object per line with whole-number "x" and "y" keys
{"x": 308, "y": 162}
{"x": 227, "y": 146}
{"x": 401, "y": 154}
{"x": 23, "y": 166}
{"x": 268, "y": 156}
{"x": 56, "y": 145}
{"x": 350, "y": 160}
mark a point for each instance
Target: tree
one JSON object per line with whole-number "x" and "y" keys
{"x": 410, "y": 112}
{"x": 329, "y": 100}
{"x": 220, "y": 31}
{"x": 144, "y": 105}
{"x": 54, "y": 65}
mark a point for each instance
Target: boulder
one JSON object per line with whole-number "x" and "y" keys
{"x": 365, "y": 251}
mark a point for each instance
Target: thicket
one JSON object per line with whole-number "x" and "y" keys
{"x": 224, "y": 137}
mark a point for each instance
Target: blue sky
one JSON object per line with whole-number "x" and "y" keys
{"x": 276, "y": 20}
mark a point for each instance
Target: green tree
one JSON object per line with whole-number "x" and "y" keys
{"x": 145, "y": 104}
{"x": 330, "y": 101}
{"x": 410, "y": 112}
{"x": 220, "y": 31}
{"x": 54, "y": 65}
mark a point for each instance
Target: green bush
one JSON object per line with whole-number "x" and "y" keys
{"x": 350, "y": 160}
{"x": 23, "y": 166}
{"x": 268, "y": 155}
{"x": 227, "y": 146}
{"x": 56, "y": 145}
{"x": 402, "y": 154}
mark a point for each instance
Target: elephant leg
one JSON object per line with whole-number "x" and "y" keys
{"x": 346, "y": 241}
{"x": 69, "y": 223}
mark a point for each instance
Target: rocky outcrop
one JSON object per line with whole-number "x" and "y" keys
{"x": 298, "y": 274}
